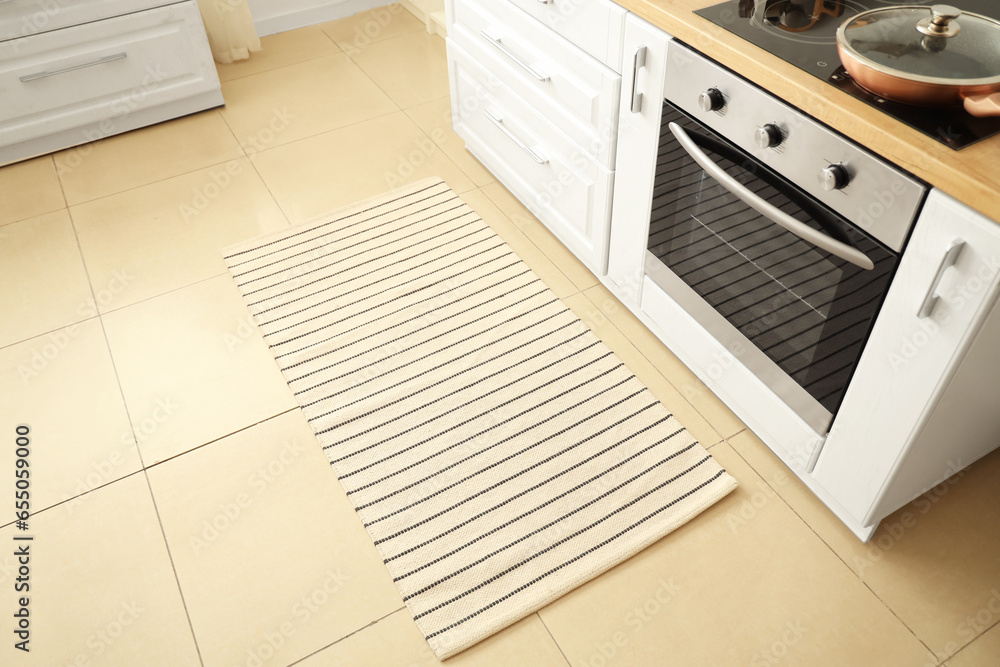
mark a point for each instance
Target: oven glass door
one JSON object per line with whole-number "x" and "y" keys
{"x": 807, "y": 309}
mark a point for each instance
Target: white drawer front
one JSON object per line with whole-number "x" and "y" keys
{"x": 595, "y": 26}
{"x": 102, "y": 71}
{"x": 565, "y": 188}
{"x": 22, "y": 18}
{"x": 551, "y": 74}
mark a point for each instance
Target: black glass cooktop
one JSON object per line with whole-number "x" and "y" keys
{"x": 804, "y": 33}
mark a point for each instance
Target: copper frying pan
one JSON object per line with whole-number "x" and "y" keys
{"x": 980, "y": 95}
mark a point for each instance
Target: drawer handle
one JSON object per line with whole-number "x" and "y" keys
{"x": 496, "y": 120}
{"x": 949, "y": 259}
{"x": 545, "y": 2}
{"x": 495, "y": 41}
{"x": 99, "y": 61}
{"x": 637, "y": 64}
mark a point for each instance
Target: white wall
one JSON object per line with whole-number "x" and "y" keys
{"x": 271, "y": 16}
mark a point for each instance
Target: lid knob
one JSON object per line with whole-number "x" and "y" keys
{"x": 940, "y": 22}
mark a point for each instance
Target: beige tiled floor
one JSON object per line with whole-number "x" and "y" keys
{"x": 185, "y": 515}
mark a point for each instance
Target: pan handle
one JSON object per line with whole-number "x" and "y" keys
{"x": 983, "y": 105}
{"x": 776, "y": 215}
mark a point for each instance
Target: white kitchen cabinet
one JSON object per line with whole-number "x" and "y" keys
{"x": 640, "y": 110}
{"x": 566, "y": 189}
{"x": 923, "y": 403}
{"x": 102, "y": 76}
{"x": 578, "y": 94}
{"x": 596, "y": 26}
{"x": 541, "y": 113}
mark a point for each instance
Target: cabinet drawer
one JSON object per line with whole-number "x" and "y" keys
{"x": 551, "y": 74}
{"x": 566, "y": 189}
{"x": 596, "y": 26}
{"x": 102, "y": 71}
{"x": 22, "y": 18}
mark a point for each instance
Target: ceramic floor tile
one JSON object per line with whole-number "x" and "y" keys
{"x": 281, "y": 50}
{"x": 985, "y": 651}
{"x": 934, "y": 562}
{"x": 150, "y": 240}
{"x": 411, "y": 68}
{"x": 395, "y": 640}
{"x": 102, "y": 589}
{"x": 29, "y": 189}
{"x": 746, "y": 582}
{"x": 543, "y": 267}
{"x": 434, "y": 118}
{"x": 144, "y": 156}
{"x": 269, "y": 551}
{"x": 193, "y": 368}
{"x": 581, "y": 276}
{"x": 335, "y": 169}
{"x": 63, "y": 386}
{"x": 280, "y": 106}
{"x": 355, "y": 33}
{"x": 693, "y": 389}
{"x": 44, "y": 281}
{"x": 691, "y": 419}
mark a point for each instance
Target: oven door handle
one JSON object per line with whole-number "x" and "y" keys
{"x": 774, "y": 214}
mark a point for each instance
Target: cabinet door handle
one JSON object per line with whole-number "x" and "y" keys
{"x": 495, "y": 41}
{"x": 949, "y": 259}
{"x": 496, "y": 120}
{"x": 637, "y": 64}
{"x": 99, "y": 61}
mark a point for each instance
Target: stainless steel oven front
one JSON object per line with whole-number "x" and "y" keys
{"x": 793, "y": 287}
{"x": 775, "y": 236}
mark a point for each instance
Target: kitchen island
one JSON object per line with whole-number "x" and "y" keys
{"x": 971, "y": 175}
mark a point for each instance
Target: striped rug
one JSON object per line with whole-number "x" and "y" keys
{"x": 497, "y": 452}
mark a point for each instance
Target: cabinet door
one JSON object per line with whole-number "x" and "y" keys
{"x": 886, "y": 445}
{"x": 643, "y": 63}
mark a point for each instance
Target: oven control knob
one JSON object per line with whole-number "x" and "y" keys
{"x": 834, "y": 177}
{"x": 768, "y": 136}
{"x": 711, "y": 100}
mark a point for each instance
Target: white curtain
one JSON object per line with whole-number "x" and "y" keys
{"x": 230, "y": 28}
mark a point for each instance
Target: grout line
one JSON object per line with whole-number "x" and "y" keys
{"x": 328, "y": 131}
{"x": 166, "y": 545}
{"x": 62, "y": 186}
{"x": 350, "y": 634}
{"x": 135, "y": 439}
{"x": 970, "y": 642}
{"x": 169, "y": 291}
{"x": 837, "y": 555}
{"x": 232, "y": 133}
{"x": 308, "y": 59}
{"x": 50, "y": 331}
{"x": 221, "y": 437}
{"x": 78, "y": 496}
{"x": 561, "y": 652}
{"x": 165, "y": 178}
{"x": 138, "y": 449}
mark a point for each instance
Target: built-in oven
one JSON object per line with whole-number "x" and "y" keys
{"x": 788, "y": 285}
{"x": 755, "y": 241}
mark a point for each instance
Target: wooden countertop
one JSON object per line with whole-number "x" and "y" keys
{"x": 971, "y": 175}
